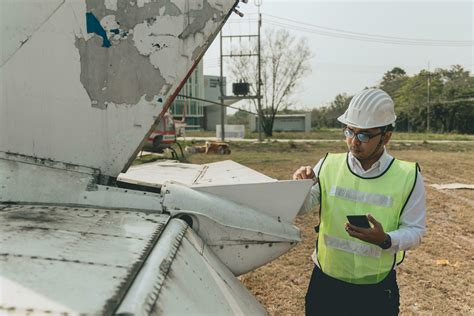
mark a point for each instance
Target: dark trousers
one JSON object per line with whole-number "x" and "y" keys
{"x": 330, "y": 296}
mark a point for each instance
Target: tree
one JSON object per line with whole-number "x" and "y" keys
{"x": 239, "y": 117}
{"x": 457, "y": 83}
{"x": 450, "y": 93}
{"x": 393, "y": 80}
{"x": 411, "y": 99}
{"x": 285, "y": 61}
{"x": 327, "y": 116}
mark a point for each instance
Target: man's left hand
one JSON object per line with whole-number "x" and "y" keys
{"x": 374, "y": 235}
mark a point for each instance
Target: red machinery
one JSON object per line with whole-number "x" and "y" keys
{"x": 165, "y": 135}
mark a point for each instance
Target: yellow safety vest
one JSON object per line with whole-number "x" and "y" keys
{"x": 345, "y": 193}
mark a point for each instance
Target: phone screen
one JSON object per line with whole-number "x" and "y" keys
{"x": 359, "y": 221}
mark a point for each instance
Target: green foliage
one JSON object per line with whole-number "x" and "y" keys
{"x": 239, "y": 118}
{"x": 448, "y": 94}
{"x": 455, "y": 116}
{"x": 393, "y": 80}
{"x": 327, "y": 116}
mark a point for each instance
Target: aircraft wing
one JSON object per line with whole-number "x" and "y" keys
{"x": 83, "y": 82}
{"x": 218, "y": 173}
{"x": 226, "y": 179}
{"x": 92, "y": 261}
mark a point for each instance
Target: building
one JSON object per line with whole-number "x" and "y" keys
{"x": 200, "y": 115}
{"x": 286, "y": 122}
{"x": 194, "y": 113}
{"x": 212, "y": 92}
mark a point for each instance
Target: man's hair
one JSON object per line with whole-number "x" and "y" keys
{"x": 387, "y": 128}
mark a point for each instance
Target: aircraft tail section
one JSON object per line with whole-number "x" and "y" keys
{"x": 84, "y": 81}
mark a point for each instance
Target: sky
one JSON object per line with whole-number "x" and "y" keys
{"x": 344, "y": 65}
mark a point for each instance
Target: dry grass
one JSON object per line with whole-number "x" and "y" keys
{"x": 435, "y": 279}
{"x": 336, "y": 133}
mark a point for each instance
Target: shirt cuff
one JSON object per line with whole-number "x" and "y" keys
{"x": 395, "y": 242}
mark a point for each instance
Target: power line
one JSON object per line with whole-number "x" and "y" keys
{"x": 341, "y": 33}
{"x": 215, "y": 103}
{"x": 364, "y": 39}
{"x": 338, "y": 33}
{"x": 368, "y": 34}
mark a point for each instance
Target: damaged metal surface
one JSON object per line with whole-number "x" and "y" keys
{"x": 26, "y": 181}
{"x": 82, "y": 83}
{"x": 146, "y": 289}
{"x": 111, "y": 70}
{"x": 182, "y": 258}
{"x": 62, "y": 260}
{"x": 132, "y": 30}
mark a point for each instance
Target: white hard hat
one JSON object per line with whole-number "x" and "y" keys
{"x": 368, "y": 109}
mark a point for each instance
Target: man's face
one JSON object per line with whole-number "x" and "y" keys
{"x": 360, "y": 149}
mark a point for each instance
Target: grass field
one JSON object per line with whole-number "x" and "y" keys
{"x": 435, "y": 279}
{"x": 337, "y": 134}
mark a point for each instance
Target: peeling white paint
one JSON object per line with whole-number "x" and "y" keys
{"x": 141, "y": 3}
{"x": 111, "y": 4}
{"x": 108, "y": 22}
{"x": 80, "y": 28}
{"x": 160, "y": 42}
{"x": 165, "y": 25}
{"x": 186, "y": 6}
{"x": 112, "y": 129}
{"x": 164, "y": 90}
{"x": 216, "y": 4}
{"x": 142, "y": 103}
{"x": 193, "y": 42}
{"x": 208, "y": 29}
{"x": 167, "y": 63}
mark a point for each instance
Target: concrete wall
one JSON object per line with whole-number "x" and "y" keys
{"x": 286, "y": 122}
{"x": 212, "y": 92}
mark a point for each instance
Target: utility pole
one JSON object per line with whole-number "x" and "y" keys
{"x": 258, "y": 3}
{"x": 428, "y": 100}
{"x": 221, "y": 81}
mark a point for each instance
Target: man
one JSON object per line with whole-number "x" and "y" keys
{"x": 354, "y": 271}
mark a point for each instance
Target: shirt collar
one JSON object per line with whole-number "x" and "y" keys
{"x": 378, "y": 167}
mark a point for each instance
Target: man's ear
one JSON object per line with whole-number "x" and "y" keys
{"x": 387, "y": 137}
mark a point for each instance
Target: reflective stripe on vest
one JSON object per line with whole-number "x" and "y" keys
{"x": 344, "y": 193}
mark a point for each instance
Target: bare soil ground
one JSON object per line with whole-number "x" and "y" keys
{"x": 435, "y": 279}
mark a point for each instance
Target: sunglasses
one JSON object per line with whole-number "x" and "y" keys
{"x": 364, "y": 137}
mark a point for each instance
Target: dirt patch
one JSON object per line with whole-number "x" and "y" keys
{"x": 434, "y": 279}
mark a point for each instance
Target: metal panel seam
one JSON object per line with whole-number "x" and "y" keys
{"x": 69, "y": 230}
{"x": 62, "y": 260}
{"x": 165, "y": 267}
{"x": 126, "y": 284}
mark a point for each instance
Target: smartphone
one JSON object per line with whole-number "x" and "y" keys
{"x": 359, "y": 221}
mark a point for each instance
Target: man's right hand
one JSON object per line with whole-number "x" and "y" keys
{"x": 304, "y": 172}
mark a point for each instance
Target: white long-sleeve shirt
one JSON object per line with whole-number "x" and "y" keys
{"x": 413, "y": 219}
